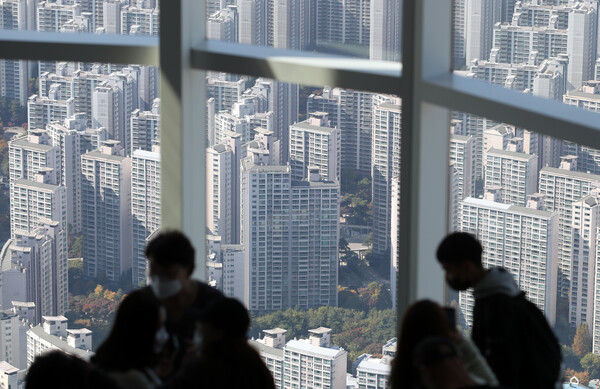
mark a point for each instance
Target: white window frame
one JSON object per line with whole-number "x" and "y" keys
{"x": 427, "y": 86}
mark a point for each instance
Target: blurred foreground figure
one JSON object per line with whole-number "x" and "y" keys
{"x": 225, "y": 360}
{"x": 58, "y": 370}
{"x": 509, "y": 330}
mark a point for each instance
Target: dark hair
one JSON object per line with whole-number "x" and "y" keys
{"x": 227, "y": 314}
{"x": 458, "y": 247}
{"x": 130, "y": 344}
{"x": 421, "y": 320}
{"x": 64, "y": 371}
{"x": 171, "y": 248}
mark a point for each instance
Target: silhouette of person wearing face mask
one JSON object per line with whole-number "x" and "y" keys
{"x": 171, "y": 263}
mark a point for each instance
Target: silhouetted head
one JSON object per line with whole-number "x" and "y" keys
{"x": 132, "y": 342}
{"x": 224, "y": 319}
{"x": 171, "y": 263}
{"x": 423, "y": 319}
{"x": 59, "y": 370}
{"x": 460, "y": 254}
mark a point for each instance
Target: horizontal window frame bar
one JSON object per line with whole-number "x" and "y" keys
{"x": 79, "y": 47}
{"x": 544, "y": 116}
{"x": 306, "y": 68}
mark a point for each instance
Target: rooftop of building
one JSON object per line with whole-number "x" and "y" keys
{"x": 25, "y": 143}
{"x": 34, "y": 184}
{"x": 511, "y": 154}
{"x": 507, "y": 207}
{"x": 28, "y": 304}
{"x": 390, "y": 106}
{"x": 145, "y": 154}
{"x": 55, "y": 318}
{"x": 80, "y": 331}
{"x": 60, "y": 343}
{"x": 375, "y": 365}
{"x": 275, "y": 331}
{"x": 305, "y": 183}
{"x": 304, "y": 345}
{"x": 462, "y": 138}
{"x": 320, "y": 330}
{"x": 307, "y": 126}
{"x": 98, "y": 155}
{"x": 583, "y": 95}
{"x": 263, "y": 348}
{"x": 7, "y": 368}
{"x": 570, "y": 173}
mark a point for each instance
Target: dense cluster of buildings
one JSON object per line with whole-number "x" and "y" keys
{"x": 532, "y": 200}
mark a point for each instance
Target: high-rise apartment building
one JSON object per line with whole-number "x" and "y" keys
{"x": 139, "y": 21}
{"x": 53, "y": 334}
{"x": 585, "y": 220}
{"x": 145, "y": 206}
{"x": 43, "y": 110}
{"x": 561, "y": 188}
{"x": 481, "y": 15}
{"x": 515, "y": 173}
{"x": 385, "y": 165}
{"x": 385, "y": 33}
{"x": 51, "y": 16}
{"x": 223, "y": 25}
{"x": 41, "y": 256}
{"x": 582, "y": 40}
{"x": 343, "y": 22}
{"x": 106, "y": 211}
{"x": 522, "y": 240}
{"x": 314, "y": 142}
{"x": 290, "y": 232}
{"x": 222, "y": 198}
{"x": 145, "y": 127}
{"x": 350, "y": 111}
{"x": 310, "y": 363}
{"x": 462, "y": 154}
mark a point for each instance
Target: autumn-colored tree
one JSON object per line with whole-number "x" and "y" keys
{"x": 582, "y": 343}
{"x": 99, "y": 290}
{"x": 582, "y": 376}
{"x": 109, "y": 295}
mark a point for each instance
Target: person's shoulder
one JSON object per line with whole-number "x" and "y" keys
{"x": 205, "y": 293}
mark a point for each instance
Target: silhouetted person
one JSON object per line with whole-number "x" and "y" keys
{"x": 131, "y": 353}
{"x": 225, "y": 360}
{"x": 58, "y": 370}
{"x": 440, "y": 367}
{"x": 425, "y": 319}
{"x": 171, "y": 264}
{"x": 511, "y": 332}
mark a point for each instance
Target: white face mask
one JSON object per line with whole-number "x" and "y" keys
{"x": 164, "y": 288}
{"x": 162, "y": 337}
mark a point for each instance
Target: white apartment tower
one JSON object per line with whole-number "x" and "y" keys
{"x": 41, "y": 255}
{"x": 43, "y": 110}
{"x": 106, "y": 211}
{"x": 522, "y": 240}
{"x": 221, "y": 199}
{"x": 515, "y": 173}
{"x": 223, "y": 25}
{"x": 290, "y": 233}
{"x": 581, "y": 44}
{"x": 481, "y": 15}
{"x": 139, "y": 21}
{"x": 145, "y": 206}
{"x": 13, "y": 73}
{"x": 385, "y": 165}
{"x": 145, "y": 127}
{"x": 561, "y": 188}
{"x": 585, "y": 220}
{"x": 386, "y": 23}
{"x": 351, "y": 112}
{"x": 314, "y": 142}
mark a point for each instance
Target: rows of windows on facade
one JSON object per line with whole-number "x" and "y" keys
{"x": 532, "y": 200}
{"x": 85, "y": 163}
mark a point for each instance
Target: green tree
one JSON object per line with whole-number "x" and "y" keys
{"x": 570, "y": 360}
{"x": 582, "y": 344}
{"x": 368, "y": 241}
{"x": 591, "y": 364}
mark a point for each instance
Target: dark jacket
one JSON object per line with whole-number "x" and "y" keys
{"x": 508, "y": 330}
{"x": 227, "y": 365}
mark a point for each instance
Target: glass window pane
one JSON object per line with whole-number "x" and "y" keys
{"x": 299, "y": 211}
{"x": 80, "y": 164}
{"x": 356, "y": 28}
{"x": 546, "y": 48}
{"x": 132, "y": 17}
{"x": 533, "y": 202}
